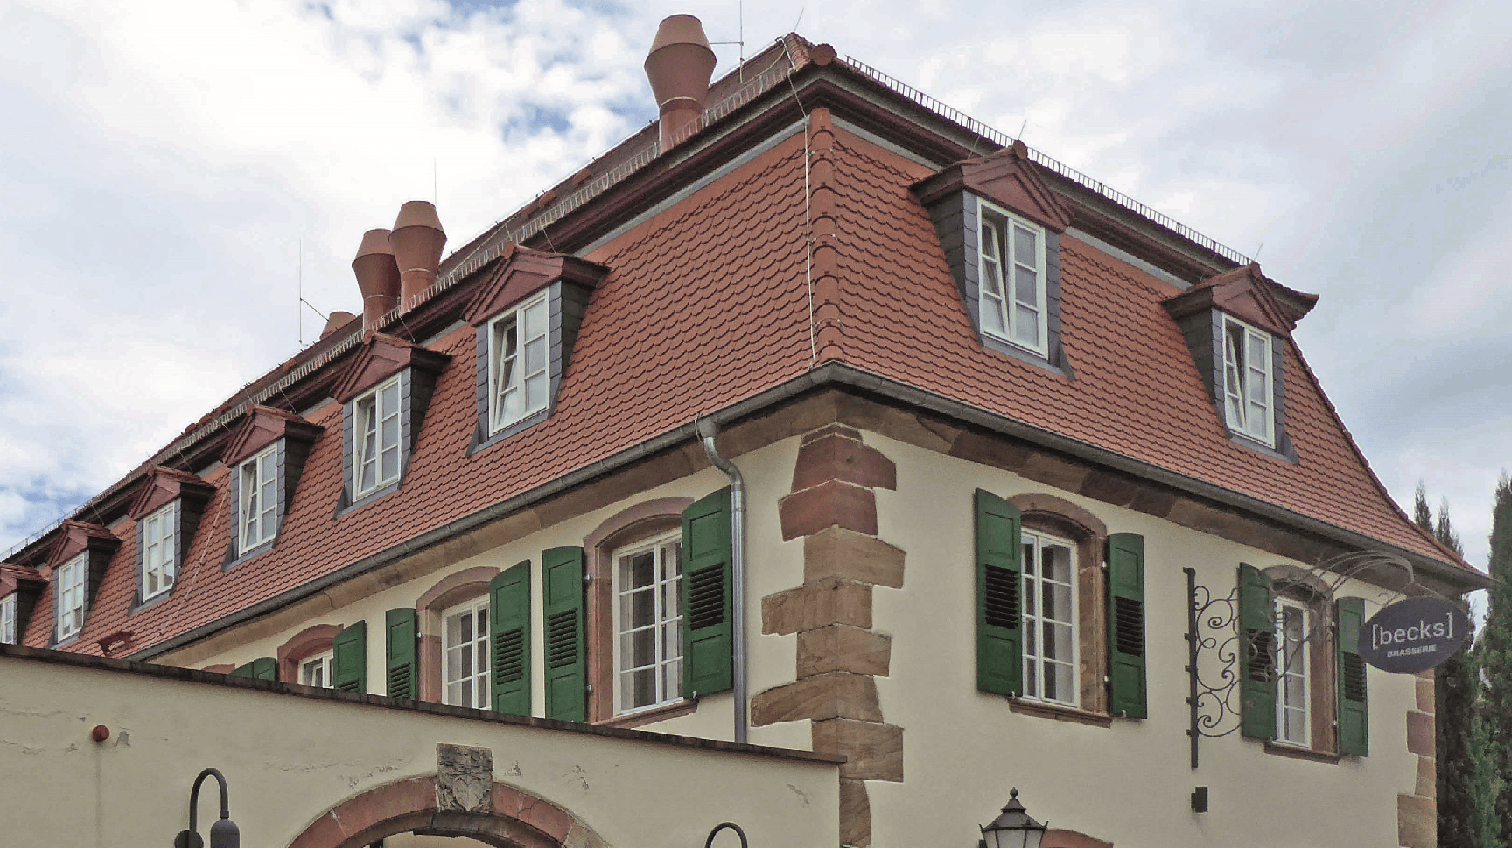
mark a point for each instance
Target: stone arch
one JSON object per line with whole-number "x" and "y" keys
{"x": 511, "y": 818}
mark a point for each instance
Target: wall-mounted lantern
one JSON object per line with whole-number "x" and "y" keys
{"x": 1013, "y": 828}
{"x": 722, "y": 826}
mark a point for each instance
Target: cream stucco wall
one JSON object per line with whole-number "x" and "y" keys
{"x": 289, "y": 758}
{"x": 773, "y": 565}
{"x": 1129, "y": 783}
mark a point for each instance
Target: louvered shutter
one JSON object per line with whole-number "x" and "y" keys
{"x": 707, "y": 597}
{"x": 1257, "y": 654}
{"x": 402, "y": 652}
{"x": 509, "y": 639}
{"x": 566, "y": 650}
{"x": 999, "y": 572}
{"x": 1354, "y": 713}
{"x": 1126, "y": 626}
{"x": 262, "y": 668}
{"x": 349, "y": 659}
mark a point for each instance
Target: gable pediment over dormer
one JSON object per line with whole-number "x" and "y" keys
{"x": 382, "y": 356}
{"x": 262, "y": 426}
{"x": 1247, "y": 294}
{"x": 523, "y": 272}
{"x": 1006, "y": 178}
{"x": 162, "y": 486}
{"x": 77, "y": 537}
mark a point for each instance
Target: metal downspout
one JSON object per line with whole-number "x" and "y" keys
{"x": 707, "y": 430}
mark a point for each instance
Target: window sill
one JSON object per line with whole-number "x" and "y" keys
{"x": 234, "y": 559}
{"x": 509, "y": 430}
{"x": 1281, "y": 749}
{"x": 1034, "y": 358}
{"x": 377, "y": 494}
{"x": 1285, "y": 453}
{"x": 153, "y": 601}
{"x": 1058, "y": 712}
{"x": 670, "y": 711}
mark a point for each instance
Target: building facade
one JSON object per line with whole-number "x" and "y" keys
{"x": 814, "y": 422}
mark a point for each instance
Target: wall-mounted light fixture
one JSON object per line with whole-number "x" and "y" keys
{"x": 223, "y": 834}
{"x": 1013, "y": 828}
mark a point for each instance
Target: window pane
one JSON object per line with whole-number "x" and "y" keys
{"x": 1025, "y": 246}
{"x": 535, "y": 354}
{"x": 389, "y": 399}
{"x": 1026, "y": 285}
{"x": 1026, "y": 326}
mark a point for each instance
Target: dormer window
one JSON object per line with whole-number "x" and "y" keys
{"x": 377, "y": 437}
{"x": 527, "y": 317}
{"x": 159, "y": 551}
{"x": 1012, "y": 277}
{"x": 70, "y": 587}
{"x": 257, "y": 515}
{"x": 517, "y": 364}
{"x": 1247, "y": 380}
{"x": 1000, "y": 228}
{"x": 8, "y": 617}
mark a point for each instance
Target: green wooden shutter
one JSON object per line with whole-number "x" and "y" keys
{"x": 509, "y": 639}
{"x": 1354, "y": 713}
{"x": 1126, "y": 626}
{"x": 1257, "y": 654}
{"x": 262, "y": 668}
{"x": 402, "y": 653}
{"x": 349, "y": 659}
{"x": 566, "y": 648}
{"x": 707, "y": 597}
{"x": 999, "y": 618}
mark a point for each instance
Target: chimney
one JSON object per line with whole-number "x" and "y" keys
{"x": 417, "y": 240}
{"x": 377, "y": 277}
{"x": 336, "y": 322}
{"x": 679, "y": 67}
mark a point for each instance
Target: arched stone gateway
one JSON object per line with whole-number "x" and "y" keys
{"x": 507, "y": 818}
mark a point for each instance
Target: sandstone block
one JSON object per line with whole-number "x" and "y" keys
{"x": 837, "y": 552}
{"x": 840, "y": 647}
{"x": 826, "y": 696}
{"x": 814, "y": 605}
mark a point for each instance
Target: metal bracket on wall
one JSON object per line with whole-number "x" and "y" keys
{"x": 1212, "y": 630}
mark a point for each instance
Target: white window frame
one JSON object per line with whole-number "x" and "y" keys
{"x": 8, "y": 623}
{"x": 517, "y": 387}
{"x": 1249, "y": 412}
{"x": 257, "y": 521}
{"x": 371, "y": 412}
{"x": 320, "y": 663}
{"x": 1293, "y": 662}
{"x": 665, "y": 591}
{"x": 159, "y": 551}
{"x": 1035, "y": 658}
{"x": 482, "y": 670}
{"x": 72, "y": 578}
{"x": 999, "y": 311}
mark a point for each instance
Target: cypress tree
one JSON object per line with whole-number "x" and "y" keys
{"x": 1496, "y": 663}
{"x": 1454, "y": 711}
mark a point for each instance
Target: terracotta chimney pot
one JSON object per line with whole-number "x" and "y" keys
{"x": 679, "y": 68}
{"x": 336, "y": 322}
{"x": 417, "y": 241}
{"x": 377, "y": 277}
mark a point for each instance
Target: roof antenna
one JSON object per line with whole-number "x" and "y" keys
{"x": 1022, "y": 127}
{"x": 740, "y": 65}
{"x": 300, "y": 317}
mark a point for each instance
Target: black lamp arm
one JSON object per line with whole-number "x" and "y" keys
{"x": 225, "y": 811}
{"x": 721, "y": 826}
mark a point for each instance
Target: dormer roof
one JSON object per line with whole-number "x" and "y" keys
{"x": 162, "y": 486}
{"x": 522, "y": 272}
{"x": 380, "y": 357}
{"x": 1007, "y": 178}
{"x": 262, "y": 426}
{"x": 1247, "y": 294}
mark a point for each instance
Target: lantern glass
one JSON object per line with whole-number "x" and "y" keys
{"x": 1013, "y": 828}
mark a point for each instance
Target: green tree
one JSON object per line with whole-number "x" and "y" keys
{"x": 1496, "y": 663}
{"x": 1455, "y": 694}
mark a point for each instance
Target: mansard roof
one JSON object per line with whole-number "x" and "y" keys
{"x": 703, "y": 305}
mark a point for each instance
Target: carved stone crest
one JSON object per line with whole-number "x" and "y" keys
{"x": 464, "y": 779}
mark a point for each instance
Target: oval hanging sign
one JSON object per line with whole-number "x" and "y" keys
{"x": 1414, "y": 635}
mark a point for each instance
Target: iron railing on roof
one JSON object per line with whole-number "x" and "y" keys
{"x": 1002, "y": 139}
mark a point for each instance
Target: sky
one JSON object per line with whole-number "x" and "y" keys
{"x": 173, "y": 175}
